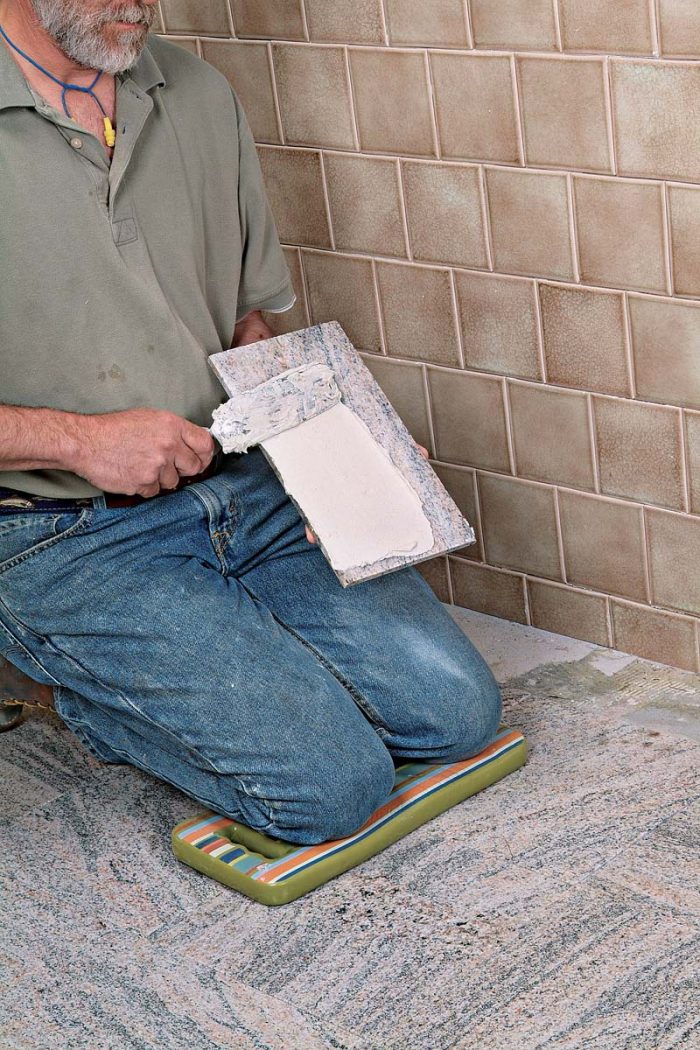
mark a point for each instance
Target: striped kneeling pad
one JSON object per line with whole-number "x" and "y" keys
{"x": 275, "y": 872}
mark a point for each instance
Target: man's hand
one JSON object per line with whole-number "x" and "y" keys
{"x": 424, "y": 453}
{"x": 251, "y": 329}
{"x": 139, "y": 451}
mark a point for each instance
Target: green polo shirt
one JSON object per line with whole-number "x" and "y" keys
{"x": 119, "y": 280}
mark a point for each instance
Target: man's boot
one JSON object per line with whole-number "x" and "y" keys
{"x": 17, "y": 690}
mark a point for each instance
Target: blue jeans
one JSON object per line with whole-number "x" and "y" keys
{"x": 200, "y": 637}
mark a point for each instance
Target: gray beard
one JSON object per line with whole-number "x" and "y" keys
{"x": 79, "y": 33}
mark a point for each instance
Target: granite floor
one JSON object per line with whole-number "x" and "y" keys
{"x": 559, "y": 908}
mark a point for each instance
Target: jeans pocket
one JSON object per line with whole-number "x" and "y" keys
{"x": 24, "y": 535}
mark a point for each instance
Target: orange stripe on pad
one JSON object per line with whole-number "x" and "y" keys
{"x": 217, "y": 825}
{"x": 399, "y": 800}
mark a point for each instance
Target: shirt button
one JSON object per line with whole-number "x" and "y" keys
{"x": 76, "y": 143}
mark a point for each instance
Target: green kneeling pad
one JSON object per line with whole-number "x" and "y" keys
{"x": 275, "y": 872}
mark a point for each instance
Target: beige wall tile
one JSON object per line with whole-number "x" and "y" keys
{"x": 564, "y": 113}
{"x": 519, "y": 525}
{"x": 684, "y": 209}
{"x": 551, "y": 434}
{"x": 692, "y": 431}
{"x": 666, "y": 342}
{"x": 654, "y": 635}
{"x": 499, "y": 324}
{"x": 599, "y": 25}
{"x": 314, "y": 95}
{"x": 440, "y": 23}
{"x": 584, "y": 339}
{"x": 674, "y": 549}
{"x": 529, "y": 223}
{"x": 434, "y": 572}
{"x": 337, "y": 20}
{"x": 655, "y": 107}
{"x": 680, "y": 27}
{"x": 563, "y": 610}
{"x": 621, "y": 233}
{"x": 196, "y": 16}
{"x": 458, "y": 81}
{"x": 639, "y": 451}
{"x": 469, "y": 419}
{"x": 342, "y": 289}
{"x": 404, "y": 386}
{"x": 365, "y": 203}
{"x": 388, "y": 86}
{"x": 296, "y": 318}
{"x": 276, "y": 19}
{"x": 488, "y": 590}
{"x": 603, "y": 544}
{"x": 418, "y": 314}
{"x": 513, "y": 24}
{"x": 461, "y": 485}
{"x": 295, "y": 190}
{"x": 186, "y": 43}
{"x": 247, "y": 69}
{"x": 445, "y": 218}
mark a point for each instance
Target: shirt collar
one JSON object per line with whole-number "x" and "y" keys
{"x": 14, "y": 90}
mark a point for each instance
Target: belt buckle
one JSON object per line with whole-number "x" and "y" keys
{"x": 17, "y": 502}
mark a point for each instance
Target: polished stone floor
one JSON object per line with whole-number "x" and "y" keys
{"x": 559, "y": 908}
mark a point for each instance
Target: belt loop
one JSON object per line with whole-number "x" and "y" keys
{"x": 99, "y": 502}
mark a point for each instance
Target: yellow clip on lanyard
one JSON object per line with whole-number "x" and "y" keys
{"x": 110, "y": 133}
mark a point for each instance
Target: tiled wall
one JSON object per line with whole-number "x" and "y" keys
{"x": 500, "y": 201}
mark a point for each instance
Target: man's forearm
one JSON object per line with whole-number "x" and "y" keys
{"x": 38, "y": 438}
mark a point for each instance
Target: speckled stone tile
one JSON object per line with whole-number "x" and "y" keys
{"x": 556, "y": 909}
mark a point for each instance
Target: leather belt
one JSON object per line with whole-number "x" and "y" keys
{"x": 13, "y": 500}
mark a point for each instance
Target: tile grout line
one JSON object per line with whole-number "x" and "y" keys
{"x": 448, "y": 574}
{"x": 305, "y": 286}
{"x": 353, "y": 101}
{"x": 456, "y": 317}
{"x": 505, "y": 393}
{"x": 275, "y": 93}
{"x": 629, "y": 351}
{"x": 437, "y": 145}
{"x": 380, "y": 312}
{"x": 697, "y": 643}
{"x": 304, "y": 20}
{"x": 685, "y": 462}
{"x": 229, "y": 14}
{"x": 326, "y": 199}
{"x": 540, "y": 332}
{"x": 557, "y": 25}
{"x": 469, "y": 26}
{"x": 647, "y": 557}
{"x": 560, "y": 534}
{"x": 609, "y": 621}
{"x": 655, "y": 27}
{"x": 486, "y": 217}
{"x": 480, "y": 547}
{"x": 594, "y": 443}
{"x": 517, "y": 104}
{"x": 609, "y": 114}
{"x": 429, "y": 406}
{"x": 526, "y": 601}
{"x": 668, "y": 237}
{"x": 573, "y": 232}
{"x": 403, "y": 209}
{"x": 385, "y": 22}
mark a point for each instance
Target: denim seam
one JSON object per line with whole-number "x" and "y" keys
{"x": 359, "y": 699}
{"x": 77, "y": 526}
{"x": 219, "y": 538}
{"x": 202, "y": 798}
{"x": 20, "y": 645}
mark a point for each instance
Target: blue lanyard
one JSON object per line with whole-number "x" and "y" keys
{"x": 62, "y": 83}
